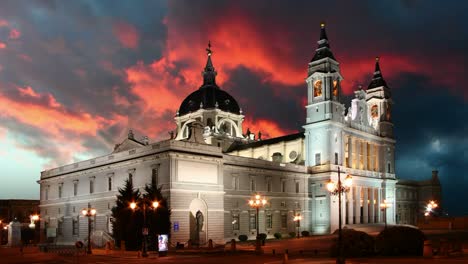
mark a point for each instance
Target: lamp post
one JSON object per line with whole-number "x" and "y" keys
{"x": 383, "y": 207}
{"x": 89, "y": 212}
{"x": 256, "y": 203}
{"x": 431, "y": 205}
{"x": 1, "y": 232}
{"x": 297, "y": 219}
{"x": 133, "y": 206}
{"x": 339, "y": 189}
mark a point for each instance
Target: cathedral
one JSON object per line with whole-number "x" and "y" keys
{"x": 210, "y": 168}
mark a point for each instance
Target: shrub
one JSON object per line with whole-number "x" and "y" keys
{"x": 262, "y": 236}
{"x": 400, "y": 241}
{"x": 305, "y": 233}
{"x": 277, "y": 235}
{"x": 292, "y": 234}
{"x": 355, "y": 244}
{"x": 243, "y": 237}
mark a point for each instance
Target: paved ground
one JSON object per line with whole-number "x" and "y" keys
{"x": 303, "y": 250}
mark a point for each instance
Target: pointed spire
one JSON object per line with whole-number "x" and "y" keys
{"x": 209, "y": 73}
{"x": 377, "y": 79}
{"x": 323, "y": 49}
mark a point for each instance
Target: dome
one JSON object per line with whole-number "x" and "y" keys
{"x": 209, "y": 97}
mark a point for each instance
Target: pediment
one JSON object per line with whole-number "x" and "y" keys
{"x": 127, "y": 144}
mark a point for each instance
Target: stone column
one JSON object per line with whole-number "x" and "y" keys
{"x": 377, "y": 212}
{"x": 371, "y": 160}
{"x": 351, "y": 202}
{"x": 357, "y": 203}
{"x": 350, "y": 152}
{"x": 364, "y": 156}
{"x": 365, "y": 204}
{"x": 372, "y": 205}
{"x": 357, "y": 145}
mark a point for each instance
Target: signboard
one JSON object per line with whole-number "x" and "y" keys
{"x": 176, "y": 226}
{"x": 163, "y": 243}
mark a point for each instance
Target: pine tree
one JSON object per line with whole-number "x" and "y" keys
{"x": 127, "y": 224}
{"x": 158, "y": 220}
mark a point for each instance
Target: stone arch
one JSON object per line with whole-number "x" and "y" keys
{"x": 198, "y": 219}
{"x": 233, "y": 128}
{"x": 185, "y": 130}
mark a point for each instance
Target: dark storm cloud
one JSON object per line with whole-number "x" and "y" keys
{"x": 431, "y": 128}
{"x": 282, "y": 105}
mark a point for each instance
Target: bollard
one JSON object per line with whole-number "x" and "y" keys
{"x": 286, "y": 251}
{"x": 233, "y": 245}
{"x": 427, "y": 253}
{"x": 274, "y": 251}
{"x": 210, "y": 243}
{"x": 189, "y": 244}
{"x": 285, "y": 258}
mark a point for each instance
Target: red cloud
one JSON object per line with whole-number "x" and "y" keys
{"x": 2, "y": 45}
{"x": 44, "y": 112}
{"x": 4, "y": 23}
{"x": 127, "y": 34}
{"x": 268, "y": 128}
{"x": 14, "y": 34}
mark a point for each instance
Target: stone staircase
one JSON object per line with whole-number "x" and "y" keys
{"x": 99, "y": 238}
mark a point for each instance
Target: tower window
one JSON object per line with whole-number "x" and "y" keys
{"x": 297, "y": 187}
{"x": 154, "y": 175}
{"x": 235, "y": 222}
{"x": 75, "y": 188}
{"x": 317, "y": 159}
{"x": 60, "y": 187}
{"x": 130, "y": 178}
{"x": 269, "y": 221}
{"x": 336, "y": 158}
{"x": 388, "y": 167}
{"x": 109, "y": 184}
{"x": 91, "y": 186}
{"x": 283, "y": 186}
{"x": 252, "y": 184}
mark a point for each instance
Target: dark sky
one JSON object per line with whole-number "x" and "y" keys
{"x": 76, "y": 75}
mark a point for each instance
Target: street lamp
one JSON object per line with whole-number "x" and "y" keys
{"x": 133, "y": 206}
{"x": 33, "y": 218}
{"x": 339, "y": 189}
{"x": 383, "y": 207}
{"x": 431, "y": 205}
{"x": 297, "y": 219}
{"x": 89, "y": 212}
{"x": 256, "y": 203}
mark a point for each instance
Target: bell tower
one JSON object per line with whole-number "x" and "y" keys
{"x": 379, "y": 101}
{"x": 323, "y": 84}
{"x": 325, "y": 113}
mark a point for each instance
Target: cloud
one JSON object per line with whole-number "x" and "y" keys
{"x": 3, "y": 45}
{"x": 14, "y": 34}
{"x": 127, "y": 34}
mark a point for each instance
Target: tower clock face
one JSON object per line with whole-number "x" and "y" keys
{"x": 335, "y": 88}
{"x": 317, "y": 88}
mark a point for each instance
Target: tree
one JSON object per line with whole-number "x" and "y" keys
{"x": 127, "y": 224}
{"x": 158, "y": 219}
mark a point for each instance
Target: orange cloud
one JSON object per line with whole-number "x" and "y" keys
{"x": 2, "y": 45}
{"x": 51, "y": 116}
{"x": 4, "y": 23}
{"x": 14, "y": 34}
{"x": 269, "y": 128}
{"x": 127, "y": 34}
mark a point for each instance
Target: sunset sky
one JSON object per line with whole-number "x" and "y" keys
{"x": 76, "y": 75}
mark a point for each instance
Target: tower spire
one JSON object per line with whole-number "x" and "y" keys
{"x": 377, "y": 79}
{"x": 209, "y": 73}
{"x": 323, "y": 48}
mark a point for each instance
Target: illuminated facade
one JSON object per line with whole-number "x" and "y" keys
{"x": 210, "y": 168}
